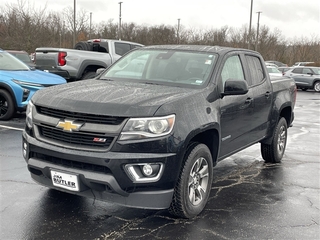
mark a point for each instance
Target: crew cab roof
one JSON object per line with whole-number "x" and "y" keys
{"x": 197, "y": 48}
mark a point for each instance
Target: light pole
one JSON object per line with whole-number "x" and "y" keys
{"x": 178, "y": 30}
{"x": 249, "y": 34}
{"x": 256, "y": 47}
{"x": 74, "y": 22}
{"x": 120, "y": 21}
{"x": 90, "y": 25}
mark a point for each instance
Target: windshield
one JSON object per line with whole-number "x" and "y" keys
{"x": 11, "y": 63}
{"x": 165, "y": 67}
{"x": 24, "y": 57}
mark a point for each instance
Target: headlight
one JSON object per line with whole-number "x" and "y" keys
{"x": 29, "y": 110}
{"x": 140, "y": 128}
{"x": 22, "y": 83}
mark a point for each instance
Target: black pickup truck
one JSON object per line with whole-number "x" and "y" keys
{"x": 147, "y": 132}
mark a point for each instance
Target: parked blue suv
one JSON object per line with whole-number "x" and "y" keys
{"x": 18, "y": 83}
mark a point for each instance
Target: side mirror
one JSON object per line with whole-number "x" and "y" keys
{"x": 99, "y": 71}
{"x": 235, "y": 87}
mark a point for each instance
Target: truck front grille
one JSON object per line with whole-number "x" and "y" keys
{"x": 83, "y": 117}
{"x": 76, "y": 139}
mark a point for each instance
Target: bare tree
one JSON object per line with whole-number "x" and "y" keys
{"x": 23, "y": 26}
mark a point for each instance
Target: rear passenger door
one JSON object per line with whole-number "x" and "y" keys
{"x": 260, "y": 85}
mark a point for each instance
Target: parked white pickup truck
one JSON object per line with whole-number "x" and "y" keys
{"x": 83, "y": 61}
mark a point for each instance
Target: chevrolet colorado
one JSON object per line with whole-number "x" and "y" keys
{"x": 147, "y": 132}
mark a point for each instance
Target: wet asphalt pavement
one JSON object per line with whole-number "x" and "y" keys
{"x": 249, "y": 199}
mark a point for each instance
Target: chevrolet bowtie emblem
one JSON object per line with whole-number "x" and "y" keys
{"x": 69, "y": 125}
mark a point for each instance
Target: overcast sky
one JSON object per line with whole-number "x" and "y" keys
{"x": 294, "y": 18}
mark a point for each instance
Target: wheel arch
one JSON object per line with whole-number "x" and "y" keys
{"x": 287, "y": 113}
{"x": 90, "y": 66}
{"x": 209, "y": 136}
{"x": 11, "y": 92}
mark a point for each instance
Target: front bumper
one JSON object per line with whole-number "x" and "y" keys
{"x": 102, "y": 175}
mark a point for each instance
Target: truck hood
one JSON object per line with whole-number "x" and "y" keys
{"x": 110, "y": 97}
{"x": 33, "y": 76}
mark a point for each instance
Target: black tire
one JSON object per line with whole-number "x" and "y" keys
{"x": 83, "y": 46}
{"x": 88, "y": 75}
{"x": 192, "y": 190}
{"x": 273, "y": 153}
{"x": 304, "y": 89}
{"x": 7, "y": 108}
{"x": 316, "y": 86}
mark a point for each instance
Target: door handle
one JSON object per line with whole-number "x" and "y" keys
{"x": 268, "y": 94}
{"x": 248, "y": 100}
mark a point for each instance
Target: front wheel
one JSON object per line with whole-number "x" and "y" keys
{"x": 273, "y": 153}
{"x": 7, "y": 108}
{"x": 316, "y": 86}
{"x": 194, "y": 184}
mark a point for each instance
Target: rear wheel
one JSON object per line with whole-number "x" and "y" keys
{"x": 194, "y": 184}
{"x": 304, "y": 89}
{"x": 89, "y": 75}
{"x": 273, "y": 153}
{"x": 316, "y": 86}
{"x": 7, "y": 108}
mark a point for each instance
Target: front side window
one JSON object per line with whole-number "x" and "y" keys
{"x": 232, "y": 69}
{"x": 306, "y": 71}
{"x": 170, "y": 67}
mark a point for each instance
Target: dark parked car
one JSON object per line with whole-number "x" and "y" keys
{"x": 22, "y": 56}
{"x": 306, "y": 77}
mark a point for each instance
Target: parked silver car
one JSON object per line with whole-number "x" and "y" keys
{"x": 273, "y": 71}
{"x": 306, "y": 77}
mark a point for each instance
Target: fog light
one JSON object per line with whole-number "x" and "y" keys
{"x": 24, "y": 150}
{"x": 26, "y": 93}
{"x": 147, "y": 170}
{"x": 144, "y": 172}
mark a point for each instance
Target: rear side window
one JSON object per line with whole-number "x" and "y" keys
{"x": 256, "y": 70}
{"x": 122, "y": 48}
{"x": 297, "y": 70}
